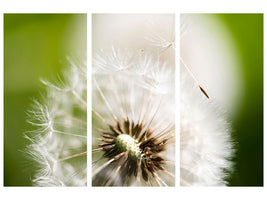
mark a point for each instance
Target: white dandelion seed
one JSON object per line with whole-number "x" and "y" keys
{"x": 206, "y": 147}
{"x": 133, "y": 101}
{"x": 210, "y": 51}
{"x": 160, "y": 32}
{"x": 58, "y": 143}
{"x": 133, "y": 112}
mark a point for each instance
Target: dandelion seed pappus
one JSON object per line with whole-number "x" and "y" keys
{"x": 205, "y": 141}
{"x": 133, "y": 100}
{"x": 206, "y": 146}
{"x": 58, "y": 143}
{"x": 135, "y": 136}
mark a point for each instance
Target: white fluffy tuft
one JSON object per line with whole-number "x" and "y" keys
{"x": 206, "y": 147}
{"x": 58, "y": 143}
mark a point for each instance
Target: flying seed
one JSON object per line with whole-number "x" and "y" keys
{"x": 202, "y": 90}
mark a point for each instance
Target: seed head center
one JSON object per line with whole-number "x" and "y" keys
{"x": 126, "y": 143}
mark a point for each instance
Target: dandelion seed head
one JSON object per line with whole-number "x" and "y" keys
{"x": 126, "y": 143}
{"x": 133, "y": 101}
{"x": 206, "y": 147}
{"x": 58, "y": 141}
{"x": 130, "y": 115}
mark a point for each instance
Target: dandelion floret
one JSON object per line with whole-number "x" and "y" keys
{"x": 126, "y": 143}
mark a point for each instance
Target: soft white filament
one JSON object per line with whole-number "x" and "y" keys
{"x": 58, "y": 143}
{"x": 133, "y": 78}
{"x": 142, "y": 95}
{"x": 206, "y": 146}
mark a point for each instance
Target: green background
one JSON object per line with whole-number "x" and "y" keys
{"x": 35, "y": 47}
{"x": 247, "y": 30}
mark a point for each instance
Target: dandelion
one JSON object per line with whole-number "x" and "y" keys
{"x": 205, "y": 143}
{"x": 58, "y": 144}
{"x": 206, "y": 146}
{"x": 133, "y": 120}
{"x": 133, "y": 102}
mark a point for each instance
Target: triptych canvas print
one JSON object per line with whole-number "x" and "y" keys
{"x": 162, "y": 100}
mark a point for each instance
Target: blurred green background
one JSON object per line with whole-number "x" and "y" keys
{"x": 35, "y": 47}
{"x": 247, "y": 30}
